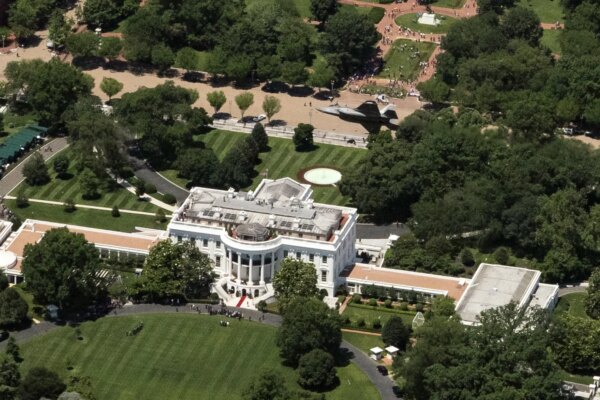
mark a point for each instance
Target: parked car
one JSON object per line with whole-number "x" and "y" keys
{"x": 382, "y": 370}
{"x": 259, "y": 118}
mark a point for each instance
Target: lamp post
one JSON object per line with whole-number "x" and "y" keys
{"x": 332, "y": 82}
{"x": 3, "y": 38}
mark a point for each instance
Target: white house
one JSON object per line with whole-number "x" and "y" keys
{"x": 248, "y": 234}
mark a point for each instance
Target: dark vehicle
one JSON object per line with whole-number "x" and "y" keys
{"x": 382, "y": 370}
{"x": 351, "y": 141}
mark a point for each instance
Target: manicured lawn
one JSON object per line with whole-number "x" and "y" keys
{"x": 202, "y": 64}
{"x": 370, "y": 314}
{"x": 567, "y": 376}
{"x": 410, "y": 21}
{"x": 84, "y": 217}
{"x": 449, "y": 3}
{"x": 548, "y": 10}
{"x": 61, "y": 190}
{"x": 173, "y": 357}
{"x": 283, "y": 160}
{"x": 574, "y": 304}
{"x": 402, "y": 61}
{"x": 550, "y": 40}
{"x": 363, "y": 342}
{"x": 15, "y": 122}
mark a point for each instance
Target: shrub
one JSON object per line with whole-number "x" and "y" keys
{"x": 357, "y": 298}
{"x": 22, "y": 200}
{"x": 419, "y": 307}
{"x": 388, "y": 303}
{"x": 466, "y": 258}
{"x": 501, "y": 255}
{"x": 214, "y": 296}
{"x": 115, "y": 212}
{"x": 149, "y": 188}
{"x": 377, "y": 324}
{"x": 404, "y": 306}
{"x": 346, "y": 320}
{"x": 160, "y": 216}
{"x": 323, "y": 293}
{"x": 262, "y": 306}
{"x": 69, "y": 206}
{"x": 169, "y": 199}
{"x": 373, "y": 302}
{"x": 316, "y": 370}
{"x": 360, "y": 322}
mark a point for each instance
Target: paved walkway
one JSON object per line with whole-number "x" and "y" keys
{"x": 58, "y": 203}
{"x": 162, "y": 184}
{"x": 384, "y": 385}
{"x": 15, "y": 176}
{"x": 361, "y": 332}
{"x": 577, "y": 288}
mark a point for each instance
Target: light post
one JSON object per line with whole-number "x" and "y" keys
{"x": 332, "y": 82}
{"x": 3, "y": 38}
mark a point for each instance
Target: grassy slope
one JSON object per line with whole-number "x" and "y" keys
{"x": 398, "y": 60}
{"x": 92, "y": 218}
{"x": 371, "y": 314}
{"x": 550, "y": 40}
{"x": 410, "y": 21}
{"x": 548, "y": 10}
{"x": 283, "y": 161}
{"x": 363, "y": 342}
{"x": 174, "y": 357}
{"x": 62, "y": 190}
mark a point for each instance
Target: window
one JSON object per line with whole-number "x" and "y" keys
{"x": 298, "y": 255}
{"x": 218, "y": 261}
{"x": 311, "y": 257}
{"x": 179, "y": 239}
{"x": 204, "y": 242}
{"x": 285, "y": 254}
{"x": 324, "y": 259}
{"x": 218, "y": 244}
{"x": 193, "y": 240}
{"x": 323, "y": 276}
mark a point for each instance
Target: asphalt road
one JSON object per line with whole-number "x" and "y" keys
{"x": 143, "y": 172}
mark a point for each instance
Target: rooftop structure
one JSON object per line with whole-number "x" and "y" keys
{"x": 496, "y": 285}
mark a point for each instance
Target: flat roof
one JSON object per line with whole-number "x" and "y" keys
{"x": 495, "y": 285}
{"x": 32, "y": 231}
{"x": 543, "y": 294}
{"x": 407, "y": 280}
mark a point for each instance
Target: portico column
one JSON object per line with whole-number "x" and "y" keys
{"x": 262, "y": 269}
{"x": 272, "y": 265}
{"x": 228, "y": 265}
{"x": 239, "y": 277}
{"x": 250, "y": 277}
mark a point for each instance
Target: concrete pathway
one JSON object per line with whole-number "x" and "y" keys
{"x": 152, "y": 200}
{"x": 14, "y": 177}
{"x": 577, "y": 288}
{"x": 58, "y": 203}
{"x": 361, "y": 332}
{"x": 385, "y": 385}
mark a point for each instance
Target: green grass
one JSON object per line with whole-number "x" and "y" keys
{"x": 202, "y": 64}
{"x": 15, "y": 122}
{"x": 548, "y": 10}
{"x": 572, "y": 303}
{"x": 173, "y": 357}
{"x": 61, "y": 190}
{"x": 567, "y": 376}
{"x": 550, "y": 39}
{"x": 303, "y": 7}
{"x": 362, "y": 341}
{"x": 283, "y": 160}
{"x": 370, "y": 314}
{"x": 85, "y": 217}
{"x": 449, "y": 3}
{"x": 410, "y": 21}
{"x": 402, "y": 61}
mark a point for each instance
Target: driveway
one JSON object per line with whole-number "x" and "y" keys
{"x": 163, "y": 185}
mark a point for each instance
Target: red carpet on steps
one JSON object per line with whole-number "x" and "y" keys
{"x": 239, "y": 304}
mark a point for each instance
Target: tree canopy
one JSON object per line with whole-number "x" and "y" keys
{"x": 294, "y": 279}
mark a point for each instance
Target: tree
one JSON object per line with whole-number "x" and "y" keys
{"x": 316, "y": 370}
{"x": 443, "y": 306}
{"x": 10, "y": 377}
{"x": 321, "y": 10}
{"x": 308, "y": 324}
{"x": 175, "y": 270}
{"x": 110, "y": 48}
{"x": 58, "y": 29}
{"x": 575, "y": 344}
{"x": 216, "y": 99}
{"x": 13, "y": 309}
{"x": 244, "y": 101}
{"x": 41, "y": 382}
{"x": 102, "y": 13}
{"x": 12, "y": 350}
{"x": 187, "y": 58}
{"x": 270, "y": 385}
{"x": 162, "y": 58}
{"x": 522, "y": 23}
{"x": 22, "y": 19}
{"x": 237, "y": 167}
{"x": 3, "y": 281}
{"x": 294, "y": 72}
{"x": 322, "y": 74}
{"x": 22, "y": 201}
{"x": 260, "y": 137}
{"x": 303, "y": 137}
{"x": 271, "y": 106}
{"x": 115, "y": 212}
{"x": 89, "y": 184}
{"x": 200, "y": 166}
{"x": 63, "y": 269}
{"x": 110, "y": 87}
{"x": 592, "y": 301}
{"x": 61, "y": 165}
{"x": 294, "y": 279}
{"x": 434, "y": 90}
{"x": 84, "y": 44}
{"x": 395, "y": 333}
{"x": 35, "y": 170}
{"x": 69, "y": 206}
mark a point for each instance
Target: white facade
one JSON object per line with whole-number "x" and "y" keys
{"x": 262, "y": 228}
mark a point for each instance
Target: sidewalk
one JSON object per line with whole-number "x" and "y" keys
{"x": 58, "y": 203}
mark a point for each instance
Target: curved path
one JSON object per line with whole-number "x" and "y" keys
{"x": 384, "y": 385}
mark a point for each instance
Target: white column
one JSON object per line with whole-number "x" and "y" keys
{"x": 228, "y": 265}
{"x": 239, "y": 275}
{"x": 262, "y": 269}
{"x": 272, "y": 265}
{"x": 250, "y": 275}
